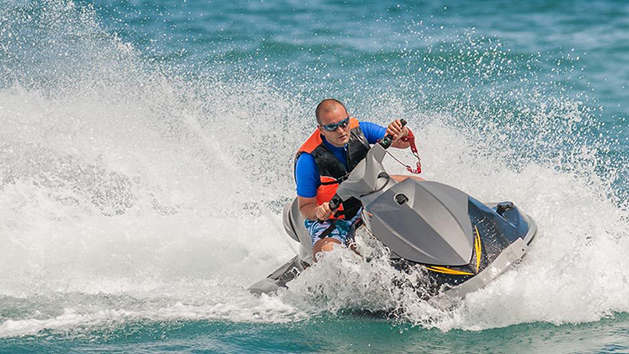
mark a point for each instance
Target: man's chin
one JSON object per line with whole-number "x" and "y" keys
{"x": 340, "y": 142}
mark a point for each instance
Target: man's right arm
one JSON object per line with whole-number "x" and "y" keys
{"x": 307, "y": 179}
{"x": 308, "y": 207}
{"x": 310, "y": 210}
{"x": 374, "y": 132}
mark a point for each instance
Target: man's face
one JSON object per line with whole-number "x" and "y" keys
{"x": 340, "y": 136}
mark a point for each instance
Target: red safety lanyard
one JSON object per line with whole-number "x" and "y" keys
{"x": 410, "y": 138}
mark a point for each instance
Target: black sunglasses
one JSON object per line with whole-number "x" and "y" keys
{"x": 332, "y": 127}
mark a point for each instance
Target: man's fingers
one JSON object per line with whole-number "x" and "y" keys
{"x": 323, "y": 211}
{"x": 320, "y": 214}
{"x": 395, "y": 129}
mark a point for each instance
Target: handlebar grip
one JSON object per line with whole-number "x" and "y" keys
{"x": 388, "y": 139}
{"x": 335, "y": 203}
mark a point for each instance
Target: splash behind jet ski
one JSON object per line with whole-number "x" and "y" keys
{"x": 461, "y": 243}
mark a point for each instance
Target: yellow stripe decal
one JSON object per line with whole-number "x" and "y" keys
{"x": 447, "y": 270}
{"x": 478, "y": 248}
{"x": 477, "y": 244}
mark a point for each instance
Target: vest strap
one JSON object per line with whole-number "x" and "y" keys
{"x": 329, "y": 230}
{"x": 336, "y": 181}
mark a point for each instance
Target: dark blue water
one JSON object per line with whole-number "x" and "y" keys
{"x": 146, "y": 152}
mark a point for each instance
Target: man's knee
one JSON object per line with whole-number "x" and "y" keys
{"x": 324, "y": 245}
{"x": 400, "y": 178}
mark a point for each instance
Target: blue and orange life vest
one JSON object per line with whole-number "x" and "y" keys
{"x": 331, "y": 170}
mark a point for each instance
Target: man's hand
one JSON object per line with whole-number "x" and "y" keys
{"x": 397, "y": 130}
{"x": 311, "y": 211}
{"x": 323, "y": 211}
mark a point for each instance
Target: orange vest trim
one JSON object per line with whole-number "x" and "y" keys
{"x": 325, "y": 192}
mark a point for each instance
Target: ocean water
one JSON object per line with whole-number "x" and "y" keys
{"x": 146, "y": 153}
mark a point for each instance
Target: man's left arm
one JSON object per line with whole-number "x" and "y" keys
{"x": 398, "y": 131}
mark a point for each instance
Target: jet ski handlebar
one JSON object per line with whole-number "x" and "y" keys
{"x": 335, "y": 203}
{"x": 388, "y": 139}
{"x": 385, "y": 142}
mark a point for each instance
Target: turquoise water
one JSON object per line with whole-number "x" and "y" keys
{"x": 146, "y": 152}
{"x": 333, "y": 335}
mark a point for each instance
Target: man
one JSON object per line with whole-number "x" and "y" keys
{"x": 338, "y": 144}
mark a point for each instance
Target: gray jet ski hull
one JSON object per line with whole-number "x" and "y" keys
{"x": 496, "y": 256}
{"x": 460, "y": 242}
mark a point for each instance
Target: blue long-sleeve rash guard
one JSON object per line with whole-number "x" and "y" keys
{"x": 307, "y": 172}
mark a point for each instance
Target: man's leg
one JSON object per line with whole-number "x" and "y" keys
{"x": 325, "y": 244}
{"x": 400, "y": 178}
{"x": 325, "y": 235}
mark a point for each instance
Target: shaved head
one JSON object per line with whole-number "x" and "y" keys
{"x": 328, "y": 105}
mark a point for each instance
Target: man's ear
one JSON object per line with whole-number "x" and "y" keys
{"x": 320, "y": 129}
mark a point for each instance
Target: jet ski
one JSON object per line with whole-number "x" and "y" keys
{"x": 461, "y": 243}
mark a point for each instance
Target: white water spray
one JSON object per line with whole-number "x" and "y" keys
{"x": 128, "y": 193}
